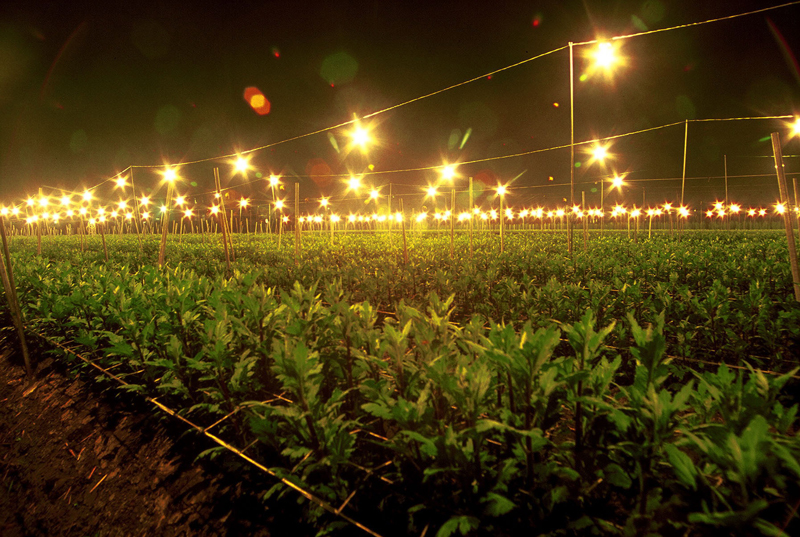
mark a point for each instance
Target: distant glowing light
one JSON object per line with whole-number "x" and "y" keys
{"x": 501, "y": 190}
{"x": 431, "y": 192}
{"x": 114, "y": 214}
{"x": 244, "y": 202}
{"x": 128, "y": 216}
{"x": 780, "y": 208}
{"x": 605, "y": 56}
{"x": 683, "y": 211}
{"x": 374, "y": 194}
{"x": 180, "y": 200}
{"x": 65, "y": 200}
{"x": 335, "y": 218}
{"x": 751, "y": 212}
{"x": 15, "y": 211}
{"x": 734, "y": 208}
{"x": 122, "y": 204}
{"x": 43, "y": 202}
{"x": 709, "y": 213}
{"x": 241, "y": 165}
{"x": 796, "y": 127}
{"x": 354, "y": 183}
{"x": 87, "y": 196}
{"x": 448, "y": 172}
{"x": 145, "y": 215}
{"x": 360, "y": 136}
{"x": 214, "y": 209}
{"x": 279, "y": 204}
{"x": 83, "y": 211}
{"x": 599, "y": 153}
{"x": 31, "y": 202}
{"x": 170, "y": 175}
{"x": 163, "y": 209}
{"x": 188, "y": 213}
{"x": 145, "y": 201}
{"x": 324, "y": 202}
{"x": 718, "y": 206}
{"x": 762, "y": 212}
{"x": 274, "y": 180}
{"x": 121, "y": 181}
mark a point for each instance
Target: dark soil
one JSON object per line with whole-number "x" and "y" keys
{"x": 81, "y": 459}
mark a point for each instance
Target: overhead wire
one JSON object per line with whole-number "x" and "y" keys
{"x": 457, "y": 85}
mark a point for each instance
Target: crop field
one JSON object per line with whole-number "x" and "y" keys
{"x": 632, "y": 388}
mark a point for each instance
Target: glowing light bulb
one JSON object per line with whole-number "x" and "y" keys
{"x": 242, "y": 164}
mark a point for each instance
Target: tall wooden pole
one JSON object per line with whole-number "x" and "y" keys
{"x": 787, "y": 219}
{"x": 685, "y": 146}
{"x": 571, "y": 148}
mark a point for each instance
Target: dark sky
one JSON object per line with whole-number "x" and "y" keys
{"x": 87, "y": 89}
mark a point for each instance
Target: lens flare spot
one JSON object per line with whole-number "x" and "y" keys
{"x": 555, "y": 105}
{"x": 537, "y": 20}
{"x": 276, "y": 52}
{"x": 257, "y": 100}
{"x": 338, "y": 68}
{"x": 319, "y": 171}
{"x": 584, "y": 77}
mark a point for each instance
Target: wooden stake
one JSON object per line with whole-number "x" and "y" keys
{"x": 503, "y": 225}
{"x": 103, "y": 236}
{"x": 9, "y": 286}
{"x": 471, "y": 216}
{"x": 162, "y": 251}
{"x": 296, "y": 222}
{"x": 787, "y": 219}
{"x": 221, "y": 220}
{"x": 403, "y": 226}
{"x": 585, "y": 220}
{"x": 452, "y": 221}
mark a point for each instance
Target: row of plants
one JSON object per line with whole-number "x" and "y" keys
{"x": 724, "y": 296}
{"x": 573, "y": 420}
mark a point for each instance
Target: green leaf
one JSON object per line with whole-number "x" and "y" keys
{"x": 497, "y": 505}
{"x": 683, "y": 466}
{"x": 462, "y": 524}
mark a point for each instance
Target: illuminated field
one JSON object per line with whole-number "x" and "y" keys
{"x": 514, "y": 390}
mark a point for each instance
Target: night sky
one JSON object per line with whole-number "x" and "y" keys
{"x": 88, "y": 89}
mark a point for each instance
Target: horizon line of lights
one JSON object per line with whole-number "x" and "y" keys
{"x": 719, "y": 209}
